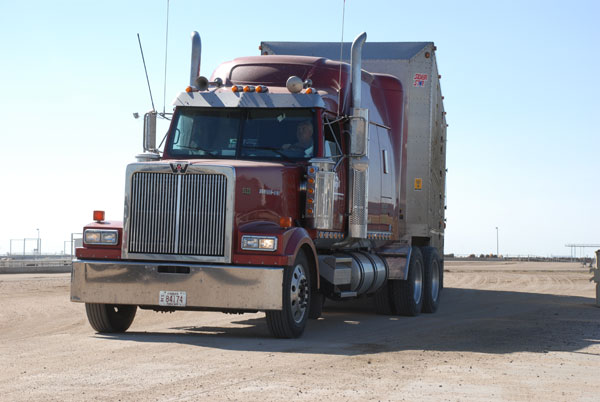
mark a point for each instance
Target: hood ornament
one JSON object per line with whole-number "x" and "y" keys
{"x": 179, "y": 167}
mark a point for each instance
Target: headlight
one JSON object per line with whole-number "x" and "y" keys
{"x": 100, "y": 236}
{"x": 266, "y": 243}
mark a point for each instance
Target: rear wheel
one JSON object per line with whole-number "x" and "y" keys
{"x": 110, "y": 317}
{"x": 432, "y": 283}
{"x": 290, "y": 321}
{"x": 406, "y": 296}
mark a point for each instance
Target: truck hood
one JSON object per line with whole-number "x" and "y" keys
{"x": 264, "y": 191}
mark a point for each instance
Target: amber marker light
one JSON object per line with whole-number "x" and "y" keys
{"x": 248, "y": 88}
{"x": 189, "y": 89}
{"x": 98, "y": 216}
{"x": 285, "y": 222}
{"x": 310, "y": 91}
{"x": 235, "y": 88}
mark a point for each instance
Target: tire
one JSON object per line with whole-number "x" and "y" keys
{"x": 111, "y": 318}
{"x": 317, "y": 301}
{"x": 290, "y": 321}
{"x": 432, "y": 279}
{"x": 407, "y": 296}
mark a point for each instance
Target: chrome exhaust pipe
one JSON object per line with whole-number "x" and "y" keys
{"x": 359, "y": 150}
{"x": 355, "y": 63}
{"x": 196, "y": 55}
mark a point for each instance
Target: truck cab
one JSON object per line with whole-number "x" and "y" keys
{"x": 282, "y": 182}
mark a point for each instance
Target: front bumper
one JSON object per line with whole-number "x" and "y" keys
{"x": 206, "y": 286}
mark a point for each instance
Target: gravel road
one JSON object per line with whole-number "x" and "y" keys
{"x": 504, "y": 331}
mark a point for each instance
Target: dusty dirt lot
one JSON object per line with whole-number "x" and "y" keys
{"x": 505, "y": 331}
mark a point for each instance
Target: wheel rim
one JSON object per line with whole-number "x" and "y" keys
{"x": 299, "y": 294}
{"x": 418, "y": 284}
{"x": 435, "y": 281}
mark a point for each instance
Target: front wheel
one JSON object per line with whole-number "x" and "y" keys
{"x": 110, "y": 317}
{"x": 290, "y": 321}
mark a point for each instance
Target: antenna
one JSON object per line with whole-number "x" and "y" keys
{"x": 146, "y": 70}
{"x": 166, "y": 50}
{"x": 341, "y": 49}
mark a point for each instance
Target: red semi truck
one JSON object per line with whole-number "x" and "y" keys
{"x": 285, "y": 179}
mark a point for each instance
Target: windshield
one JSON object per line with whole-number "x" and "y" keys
{"x": 242, "y": 133}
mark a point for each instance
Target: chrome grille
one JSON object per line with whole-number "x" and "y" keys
{"x": 178, "y": 214}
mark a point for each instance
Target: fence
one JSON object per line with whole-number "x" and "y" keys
{"x": 35, "y": 265}
{"x": 27, "y": 246}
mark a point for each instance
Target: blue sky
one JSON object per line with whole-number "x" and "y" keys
{"x": 519, "y": 80}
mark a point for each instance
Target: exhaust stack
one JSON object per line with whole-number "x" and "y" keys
{"x": 196, "y": 55}
{"x": 359, "y": 150}
{"x": 355, "y": 63}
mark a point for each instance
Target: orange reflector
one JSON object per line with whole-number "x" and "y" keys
{"x": 285, "y": 221}
{"x": 189, "y": 89}
{"x": 235, "y": 88}
{"x": 99, "y": 216}
{"x": 311, "y": 180}
{"x": 310, "y": 200}
{"x": 262, "y": 88}
{"x": 311, "y": 170}
{"x": 311, "y": 190}
{"x": 248, "y": 88}
{"x": 310, "y": 211}
{"x": 310, "y": 91}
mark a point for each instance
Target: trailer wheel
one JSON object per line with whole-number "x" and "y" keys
{"x": 432, "y": 278}
{"x": 407, "y": 295}
{"x": 110, "y": 317}
{"x": 290, "y": 321}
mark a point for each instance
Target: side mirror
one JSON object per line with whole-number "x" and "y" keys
{"x": 150, "y": 152}
{"x": 150, "y": 131}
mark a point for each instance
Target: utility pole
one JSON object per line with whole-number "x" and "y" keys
{"x": 497, "y": 244}
{"x": 38, "y": 243}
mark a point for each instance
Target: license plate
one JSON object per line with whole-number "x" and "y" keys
{"x": 172, "y": 298}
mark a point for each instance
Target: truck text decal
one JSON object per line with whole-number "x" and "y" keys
{"x": 419, "y": 80}
{"x": 268, "y": 192}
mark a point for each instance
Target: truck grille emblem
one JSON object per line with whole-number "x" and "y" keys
{"x": 179, "y": 167}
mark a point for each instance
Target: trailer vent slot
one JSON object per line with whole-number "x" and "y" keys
{"x": 178, "y": 214}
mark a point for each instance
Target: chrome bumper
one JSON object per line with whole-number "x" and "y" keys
{"x": 212, "y": 286}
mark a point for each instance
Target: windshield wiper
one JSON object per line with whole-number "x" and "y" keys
{"x": 276, "y": 150}
{"x": 211, "y": 153}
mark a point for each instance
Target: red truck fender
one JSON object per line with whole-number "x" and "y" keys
{"x": 296, "y": 240}
{"x": 291, "y": 241}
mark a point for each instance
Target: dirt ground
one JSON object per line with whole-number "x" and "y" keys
{"x": 504, "y": 331}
